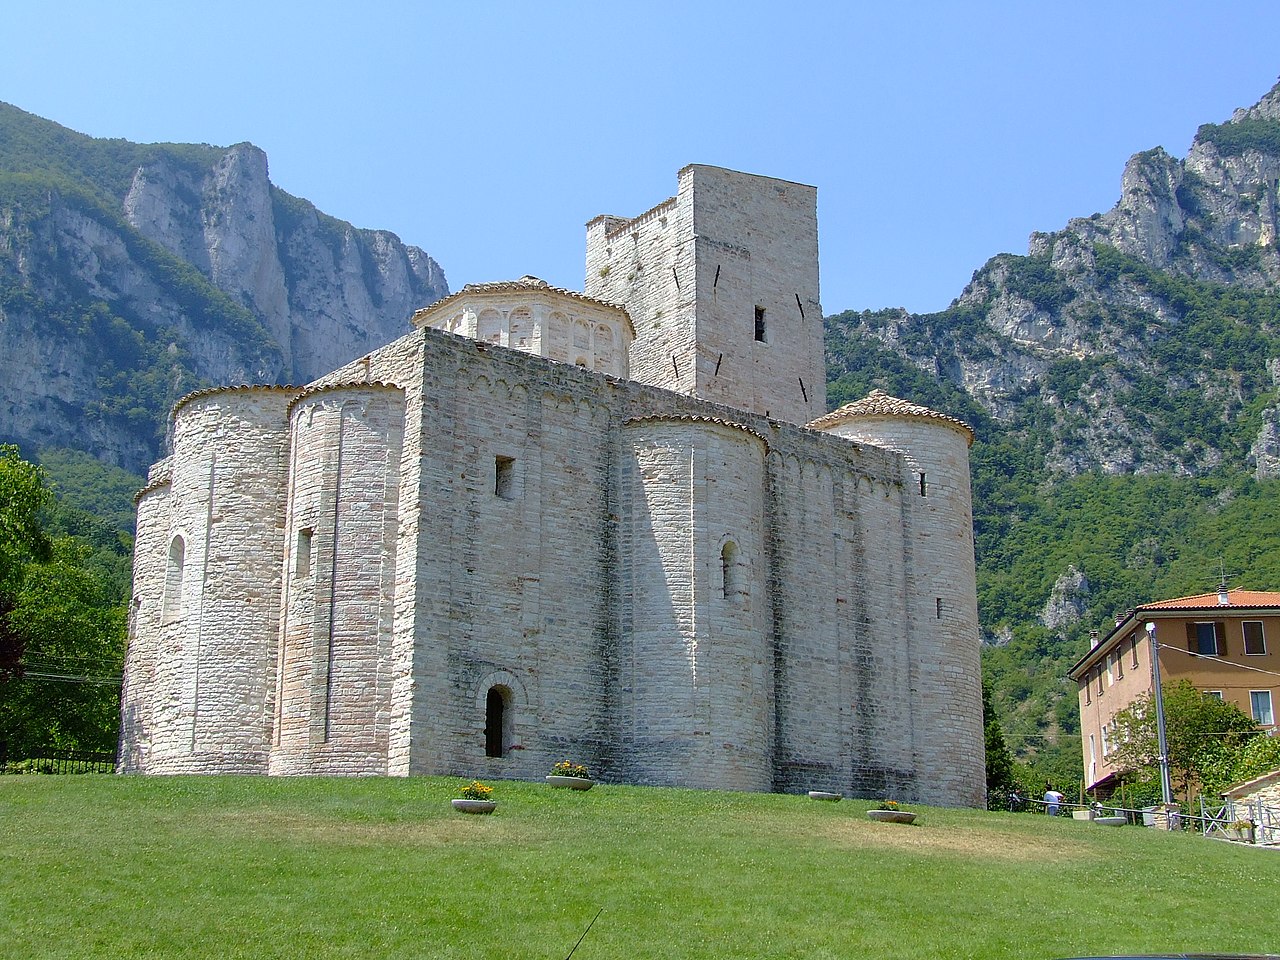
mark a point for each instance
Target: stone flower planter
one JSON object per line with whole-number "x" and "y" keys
{"x": 892, "y": 816}
{"x": 474, "y": 806}
{"x": 823, "y": 795}
{"x": 570, "y": 783}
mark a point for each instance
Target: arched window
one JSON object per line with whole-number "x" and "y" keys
{"x": 489, "y": 327}
{"x": 729, "y": 585}
{"x": 497, "y": 722}
{"x": 521, "y": 328}
{"x": 172, "y": 608}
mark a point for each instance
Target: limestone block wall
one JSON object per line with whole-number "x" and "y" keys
{"x": 333, "y": 706}
{"x": 758, "y": 312}
{"x": 698, "y": 661}
{"x": 721, "y": 282}
{"x": 206, "y": 589}
{"x": 844, "y": 642}
{"x": 646, "y": 264}
{"x": 529, "y": 316}
{"x": 149, "y": 689}
{"x": 937, "y": 518}
{"x": 513, "y": 560}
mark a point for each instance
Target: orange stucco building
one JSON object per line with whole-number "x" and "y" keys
{"x": 1226, "y": 644}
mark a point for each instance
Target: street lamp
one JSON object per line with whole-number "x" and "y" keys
{"x": 1162, "y": 744}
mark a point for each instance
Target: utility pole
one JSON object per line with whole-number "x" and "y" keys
{"x": 1166, "y": 786}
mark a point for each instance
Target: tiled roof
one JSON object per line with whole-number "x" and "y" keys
{"x": 236, "y": 388}
{"x": 689, "y": 418}
{"x": 1201, "y": 601}
{"x": 879, "y": 404}
{"x": 526, "y": 284}
{"x": 1238, "y": 600}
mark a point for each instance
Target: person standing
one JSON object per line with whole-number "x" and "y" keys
{"x": 1052, "y": 800}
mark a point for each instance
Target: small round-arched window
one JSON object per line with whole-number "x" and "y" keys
{"x": 172, "y": 607}
{"x": 498, "y": 721}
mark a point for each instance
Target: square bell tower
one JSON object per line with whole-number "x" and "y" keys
{"x": 721, "y": 283}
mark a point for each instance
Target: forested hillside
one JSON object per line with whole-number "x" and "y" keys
{"x": 1122, "y": 381}
{"x": 131, "y": 274}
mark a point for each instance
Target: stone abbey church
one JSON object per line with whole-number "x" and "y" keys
{"x": 617, "y": 526}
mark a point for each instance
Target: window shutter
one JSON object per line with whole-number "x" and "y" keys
{"x": 1193, "y": 645}
{"x": 1220, "y": 637}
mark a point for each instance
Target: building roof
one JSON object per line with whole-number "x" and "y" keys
{"x": 1204, "y": 601}
{"x": 1239, "y": 603}
{"x": 526, "y": 284}
{"x": 1249, "y": 786}
{"x": 877, "y": 403}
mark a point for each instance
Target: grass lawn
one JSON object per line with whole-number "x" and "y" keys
{"x": 101, "y": 866}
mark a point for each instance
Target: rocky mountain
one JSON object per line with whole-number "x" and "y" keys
{"x": 1140, "y": 340}
{"x": 1123, "y": 378}
{"x": 133, "y": 273}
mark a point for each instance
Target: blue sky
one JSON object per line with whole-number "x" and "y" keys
{"x": 488, "y": 132}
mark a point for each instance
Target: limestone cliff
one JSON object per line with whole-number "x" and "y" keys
{"x": 1133, "y": 341}
{"x": 131, "y": 273}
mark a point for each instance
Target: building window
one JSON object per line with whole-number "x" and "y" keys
{"x": 1088, "y": 694}
{"x": 1255, "y": 643}
{"x": 172, "y": 607}
{"x": 302, "y": 554}
{"x": 1093, "y": 758}
{"x": 760, "y": 330}
{"x": 1134, "y": 641}
{"x": 1099, "y": 681}
{"x": 504, "y": 477}
{"x": 1206, "y": 639}
{"x": 938, "y": 604}
{"x": 497, "y": 722}
{"x": 729, "y": 585}
{"x": 1260, "y": 702}
{"x": 1119, "y": 664}
{"x": 1106, "y": 745}
{"x": 1216, "y": 694}
{"x": 923, "y": 486}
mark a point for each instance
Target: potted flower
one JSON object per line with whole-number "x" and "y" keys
{"x": 890, "y": 811}
{"x": 574, "y": 776}
{"x": 476, "y": 797}
{"x": 1240, "y": 830}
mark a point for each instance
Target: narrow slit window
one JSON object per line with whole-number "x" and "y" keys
{"x": 760, "y": 327}
{"x": 504, "y": 477}
{"x": 939, "y": 607}
{"x": 302, "y": 554}
{"x": 729, "y": 587}
{"x": 924, "y": 487}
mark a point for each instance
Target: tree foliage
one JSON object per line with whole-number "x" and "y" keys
{"x": 1203, "y": 735}
{"x": 62, "y": 624}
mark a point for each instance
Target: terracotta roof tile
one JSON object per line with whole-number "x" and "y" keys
{"x": 879, "y": 404}
{"x": 1237, "y": 598}
{"x": 526, "y": 284}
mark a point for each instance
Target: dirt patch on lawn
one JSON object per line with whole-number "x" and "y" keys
{"x": 337, "y": 830}
{"x": 985, "y": 843}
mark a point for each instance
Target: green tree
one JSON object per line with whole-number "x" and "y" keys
{"x": 62, "y": 627}
{"x": 1202, "y": 732}
{"x": 1000, "y": 779}
{"x": 22, "y": 540}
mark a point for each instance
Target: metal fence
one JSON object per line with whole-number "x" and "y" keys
{"x": 58, "y": 762}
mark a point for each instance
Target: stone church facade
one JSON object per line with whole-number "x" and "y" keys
{"x": 616, "y": 526}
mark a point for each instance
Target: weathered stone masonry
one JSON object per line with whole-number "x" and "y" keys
{"x": 477, "y": 554}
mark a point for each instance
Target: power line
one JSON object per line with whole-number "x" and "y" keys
{"x": 1229, "y": 663}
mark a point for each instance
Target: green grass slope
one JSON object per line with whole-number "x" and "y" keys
{"x": 264, "y": 868}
